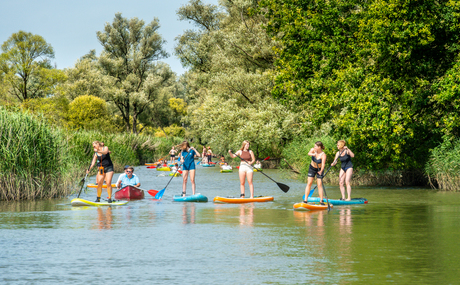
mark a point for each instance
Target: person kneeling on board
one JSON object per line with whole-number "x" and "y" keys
{"x": 128, "y": 178}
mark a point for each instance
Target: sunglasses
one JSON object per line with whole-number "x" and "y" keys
{"x": 129, "y": 171}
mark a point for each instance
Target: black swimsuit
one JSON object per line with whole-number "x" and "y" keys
{"x": 105, "y": 161}
{"x": 346, "y": 162}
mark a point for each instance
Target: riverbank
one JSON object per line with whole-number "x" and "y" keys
{"x": 39, "y": 161}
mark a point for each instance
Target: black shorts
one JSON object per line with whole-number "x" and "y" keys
{"x": 108, "y": 168}
{"x": 173, "y": 156}
{"x": 312, "y": 172}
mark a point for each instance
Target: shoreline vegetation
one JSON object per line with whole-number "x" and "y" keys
{"x": 384, "y": 79}
{"x": 39, "y": 161}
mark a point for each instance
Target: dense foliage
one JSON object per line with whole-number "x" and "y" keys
{"x": 371, "y": 71}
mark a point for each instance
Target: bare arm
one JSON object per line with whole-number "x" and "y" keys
{"x": 253, "y": 159}
{"x": 312, "y": 152}
{"x": 196, "y": 152}
{"x": 350, "y": 153}
{"x": 323, "y": 164}
{"x": 92, "y": 164}
{"x": 335, "y": 159}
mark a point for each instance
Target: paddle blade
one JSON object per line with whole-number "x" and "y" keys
{"x": 283, "y": 187}
{"x": 159, "y": 195}
{"x": 153, "y": 192}
{"x": 267, "y": 158}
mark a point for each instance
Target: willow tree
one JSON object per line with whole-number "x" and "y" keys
{"x": 130, "y": 50}
{"x": 230, "y": 59}
{"x": 26, "y": 66}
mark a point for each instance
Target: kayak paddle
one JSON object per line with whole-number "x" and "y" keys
{"x": 282, "y": 186}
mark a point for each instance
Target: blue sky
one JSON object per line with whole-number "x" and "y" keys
{"x": 70, "y": 26}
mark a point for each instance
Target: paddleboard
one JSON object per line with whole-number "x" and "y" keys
{"x": 226, "y": 170}
{"x": 208, "y": 165}
{"x": 310, "y": 206}
{"x": 177, "y": 174}
{"x": 192, "y": 198}
{"x": 353, "y": 201}
{"x": 92, "y": 185}
{"x": 82, "y": 202}
{"x": 234, "y": 200}
{"x": 150, "y": 164}
{"x": 164, "y": 168}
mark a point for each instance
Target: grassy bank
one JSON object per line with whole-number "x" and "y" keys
{"x": 39, "y": 161}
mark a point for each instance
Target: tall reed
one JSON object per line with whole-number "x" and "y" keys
{"x": 443, "y": 167}
{"x": 34, "y": 162}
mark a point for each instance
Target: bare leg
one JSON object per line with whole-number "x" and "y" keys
{"x": 349, "y": 174}
{"x": 108, "y": 180}
{"x": 242, "y": 175}
{"x": 251, "y": 185}
{"x": 184, "y": 180}
{"x": 192, "y": 179}
{"x": 342, "y": 182}
{"x": 100, "y": 182}
{"x": 308, "y": 188}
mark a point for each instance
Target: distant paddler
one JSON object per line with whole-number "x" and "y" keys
{"x": 245, "y": 170}
{"x": 346, "y": 170}
{"x": 187, "y": 156}
{"x": 104, "y": 169}
{"x": 318, "y": 161}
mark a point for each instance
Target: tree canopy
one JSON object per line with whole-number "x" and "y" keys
{"x": 26, "y": 67}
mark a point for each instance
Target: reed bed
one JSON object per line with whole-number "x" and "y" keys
{"x": 443, "y": 168}
{"x": 34, "y": 162}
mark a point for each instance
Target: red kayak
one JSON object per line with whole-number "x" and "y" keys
{"x": 129, "y": 192}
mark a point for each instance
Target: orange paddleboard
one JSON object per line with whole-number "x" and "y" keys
{"x": 103, "y": 186}
{"x": 310, "y": 206}
{"x": 232, "y": 200}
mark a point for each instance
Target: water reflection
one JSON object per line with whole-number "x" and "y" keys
{"x": 246, "y": 214}
{"x": 188, "y": 213}
{"x": 104, "y": 218}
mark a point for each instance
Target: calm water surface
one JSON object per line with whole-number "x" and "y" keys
{"x": 403, "y": 236}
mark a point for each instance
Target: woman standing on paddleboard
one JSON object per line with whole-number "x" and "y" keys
{"x": 318, "y": 161}
{"x": 346, "y": 170}
{"x": 245, "y": 172}
{"x": 104, "y": 169}
{"x": 188, "y": 164}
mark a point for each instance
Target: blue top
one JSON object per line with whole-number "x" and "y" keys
{"x": 189, "y": 159}
{"x": 125, "y": 181}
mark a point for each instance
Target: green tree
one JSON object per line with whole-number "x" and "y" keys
{"x": 365, "y": 70}
{"x": 231, "y": 57}
{"x": 88, "y": 112}
{"x": 25, "y": 62}
{"x": 130, "y": 49}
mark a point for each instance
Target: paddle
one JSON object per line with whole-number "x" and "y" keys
{"x": 82, "y": 184}
{"x": 293, "y": 170}
{"x": 282, "y": 186}
{"x": 159, "y": 194}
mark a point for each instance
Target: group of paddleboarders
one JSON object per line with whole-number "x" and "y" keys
{"x": 187, "y": 157}
{"x": 318, "y": 162}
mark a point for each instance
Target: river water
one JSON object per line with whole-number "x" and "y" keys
{"x": 402, "y": 236}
